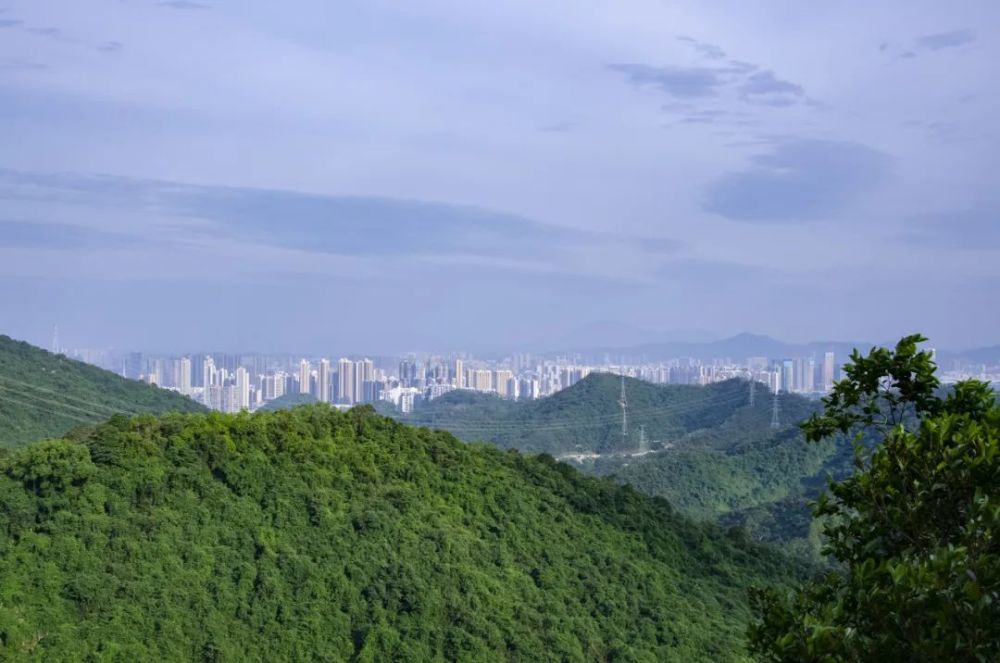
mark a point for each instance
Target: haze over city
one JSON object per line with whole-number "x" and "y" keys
{"x": 366, "y": 177}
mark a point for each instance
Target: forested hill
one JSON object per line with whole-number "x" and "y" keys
{"x": 288, "y": 401}
{"x": 587, "y": 417}
{"x": 45, "y": 395}
{"x": 321, "y": 535}
{"x": 708, "y": 451}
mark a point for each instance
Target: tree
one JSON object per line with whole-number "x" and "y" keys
{"x": 913, "y": 528}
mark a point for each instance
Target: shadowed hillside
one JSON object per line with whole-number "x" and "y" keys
{"x": 46, "y": 395}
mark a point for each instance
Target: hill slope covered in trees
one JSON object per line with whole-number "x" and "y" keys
{"x": 587, "y": 417}
{"x": 45, "y": 395}
{"x": 710, "y": 453}
{"x": 316, "y": 534}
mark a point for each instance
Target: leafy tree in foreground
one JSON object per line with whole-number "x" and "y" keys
{"x": 913, "y": 528}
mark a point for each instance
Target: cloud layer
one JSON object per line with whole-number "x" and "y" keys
{"x": 798, "y": 180}
{"x": 442, "y": 171}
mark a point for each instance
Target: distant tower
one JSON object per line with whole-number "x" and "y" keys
{"x": 829, "y": 363}
{"x": 643, "y": 444}
{"x": 323, "y": 382}
{"x": 624, "y": 405}
{"x": 55, "y": 339}
{"x": 305, "y": 372}
{"x": 774, "y": 412}
{"x": 753, "y": 383}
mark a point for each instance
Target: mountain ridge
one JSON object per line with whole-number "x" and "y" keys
{"x": 45, "y": 395}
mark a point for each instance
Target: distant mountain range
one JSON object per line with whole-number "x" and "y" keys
{"x": 745, "y": 345}
{"x": 738, "y": 348}
{"x": 987, "y": 355}
{"x": 45, "y": 395}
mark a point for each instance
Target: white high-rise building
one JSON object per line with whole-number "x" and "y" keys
{"x": 305, "y": 372}
{"x": 364, "y": 371}
{"x": 208, "y": 373}
{"x": 459, "y": 374}
{"x": 828, "y": 368}
{"x": 323, "y": 381}
{"x": 809, "y": 377}
{"x": 242, "y": 389}
{"x": 184, "y": 376}
{"x": 345, "y": 381}
{"x": 480, "y": 379}
{"x": 501, "y": 383}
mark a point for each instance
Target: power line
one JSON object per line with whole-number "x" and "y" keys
{"x": 46, "y": 409}
{"x": 608, "y": 418}
{"x": 58, "y": 404}
{"x": 624, "y": 404}
{"x": 676, "y": 408}
{"x": 112, "y": 407}
{"x": 500, "y": 427}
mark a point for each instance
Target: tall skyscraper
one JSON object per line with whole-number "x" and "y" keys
{"x": 305, "y": 372}
{"x": 459, "y": 371}
{"x": 788, "y": 376}
{"x": 481, "y": 379}
{"x": 345, "y": 381}
{"x": 242, "y": 389}
{"x": 502, "y": 383}
{"x": 407, "y": 372}
{"x": 828, "y": 368}
{"x": 809, "y": 382}
{"x": 208, "y": 373}
{"x": 364, "y": 371}
{"x": 184, "y": 376}
{"x": 323, "y": 381}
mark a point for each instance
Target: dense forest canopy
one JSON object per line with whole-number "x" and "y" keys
{"x": 316, "y": 534}
{"x": 712, "y": 454}
{"x": 45, "y": 395}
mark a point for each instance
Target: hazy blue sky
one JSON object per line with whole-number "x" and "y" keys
{"x": 381, "y": 176}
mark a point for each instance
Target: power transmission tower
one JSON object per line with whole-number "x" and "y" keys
{"x": 753, "y": 383}
{"x": 642, "y": 438}
{"x": 624, "y": 405}
{"x": 55, "y": 339}
{"x": 774, "y": 412}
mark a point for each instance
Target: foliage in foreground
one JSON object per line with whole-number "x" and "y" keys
{"x": 312, "y": 534}
{"x": 45, "y": 395}
{"x": 914, "y": 528}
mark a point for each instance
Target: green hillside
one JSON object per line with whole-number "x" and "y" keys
{"x": 311, "y": 534}
{"x": 710, "y": 453}
{"x": 288, "y": 401}
{"x": 46, "y": 395}
{"x": 585, "y": 417}
{"x": 741, "y": 462}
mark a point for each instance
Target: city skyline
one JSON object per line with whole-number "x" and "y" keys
{"x": 246, "y": 381}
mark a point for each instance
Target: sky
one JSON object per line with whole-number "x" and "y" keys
{"x": 380, "y": 176}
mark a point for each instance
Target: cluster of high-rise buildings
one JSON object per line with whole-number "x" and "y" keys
{"x": 230, "y": 382}
{"x": 233, "y": 382}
